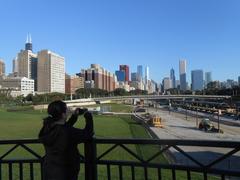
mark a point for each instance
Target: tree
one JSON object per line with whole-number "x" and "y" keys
{"x": 173, "y": 91}
{"x": 120, "y": 92}
{"x": 47, "y": 98}
{"x": 138, "y": 92}
{"x": 29, "y": 97}
{"x": 85, "y": 93}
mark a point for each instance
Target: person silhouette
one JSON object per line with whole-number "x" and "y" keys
{"x": 60, "y": 140}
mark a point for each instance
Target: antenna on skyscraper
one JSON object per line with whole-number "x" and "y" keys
{"x": 30, "y": 39}
{"x": 28, "y": 45}
{"x": 27, "y": 39}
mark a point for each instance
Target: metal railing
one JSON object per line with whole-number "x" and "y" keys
{"x": 96, "y": 160}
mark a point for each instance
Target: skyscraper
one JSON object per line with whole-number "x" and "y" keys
{"x": 134, "y": 77}
{"x": 208, "y": 78}
{"x": 146, "y": 78}
{"x": 120, "y": 75}
{"x": 15, "y": 65}
{"x": 167, "y": 83}
{"x": 140, "y": 72}
{"x": 173, "y": 78}
{"x": 125, "y": 68}
{"x": 28, "y": 45}
{"x": 147, "y": 74}
{"x": 183, "y": 74}
{"x": 197, "y": 80}
{"x": 51, "y": 72}
{"x": 239, "y": 80}
{"x": 2, "y": 67}
{"x": 27, "y": 63}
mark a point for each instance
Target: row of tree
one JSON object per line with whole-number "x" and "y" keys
{"x": 86, "y": 93}
{"x": 93, "y": 93}
{"x": 80, "y": 93}
{"x": 235, "y": 91}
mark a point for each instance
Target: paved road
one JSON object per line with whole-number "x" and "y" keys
{"x": 177, "y": 127}
{"x": 223, "y": 119}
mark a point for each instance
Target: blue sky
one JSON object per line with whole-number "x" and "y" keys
{"x": 156, "y": 33}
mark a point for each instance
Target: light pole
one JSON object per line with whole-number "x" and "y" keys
{"x": 219, "y": 112}
{"x": 186, "y": 111}
{"x": 169, "y": 106}
{"x": 197, "y": 116}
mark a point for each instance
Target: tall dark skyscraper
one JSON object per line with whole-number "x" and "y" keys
{"x": 28, "y": 45}
{"x": 183, "y": 74}
{"x": 173, "y": 78}
{"x": 125, "y": 68}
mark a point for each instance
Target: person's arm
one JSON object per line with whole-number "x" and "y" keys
{"x": 73, "y": 119}
{"x": 89, "y": 123}
{"x": 80, "y": 135}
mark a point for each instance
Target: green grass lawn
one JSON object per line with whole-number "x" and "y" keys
{"x": 26, "y": 124}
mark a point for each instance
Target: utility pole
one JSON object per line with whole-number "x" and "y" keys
{"x": 169, "y": 106}
{"x": 219, "y": 112}
{"x": 186, "y": 111}
{"x": 197, "y": 116}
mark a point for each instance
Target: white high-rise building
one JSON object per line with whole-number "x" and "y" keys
{"x": 15, "y": 65}
{"x": 51, "y": 72}
{"x": 147, "y": 74}
{"x": 147, "y": 78}
{"x": 183, "y": 74}
{"x": 167, "y": 83}
{"x": 182, "y": 66}
{"x": 2, "y": 67}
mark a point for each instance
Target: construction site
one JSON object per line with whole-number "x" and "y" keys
{"x": 167, "y": 123}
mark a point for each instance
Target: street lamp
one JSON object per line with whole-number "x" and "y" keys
{"x": 169, "y": 106}
{"x": 197, "y": 116}
{"x": 219, "y": 113}
{"x": 186, "y": 111}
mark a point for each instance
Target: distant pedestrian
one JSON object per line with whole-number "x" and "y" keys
{"x": 60, "y": 140}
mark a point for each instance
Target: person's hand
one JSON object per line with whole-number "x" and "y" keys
{"x": 88, "y": 115}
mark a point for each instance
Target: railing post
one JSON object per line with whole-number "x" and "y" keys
{"x": 90, "y": 160}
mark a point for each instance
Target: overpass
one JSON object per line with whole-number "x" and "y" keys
{"x": 150, "y": 97}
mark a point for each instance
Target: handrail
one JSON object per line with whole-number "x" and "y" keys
{"x": 179, "y": 142}
{"x": 92, "y": 159}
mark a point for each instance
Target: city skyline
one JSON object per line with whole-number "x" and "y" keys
{"x": 155, "y": 34}
{"x": 182, "y": 69}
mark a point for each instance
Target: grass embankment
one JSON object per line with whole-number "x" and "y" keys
{"x": 26, "y": 124}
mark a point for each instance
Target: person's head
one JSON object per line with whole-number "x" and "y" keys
{"x": 57, "y": 111}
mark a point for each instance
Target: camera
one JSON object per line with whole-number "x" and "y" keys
{"x": 81, "y": 111}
